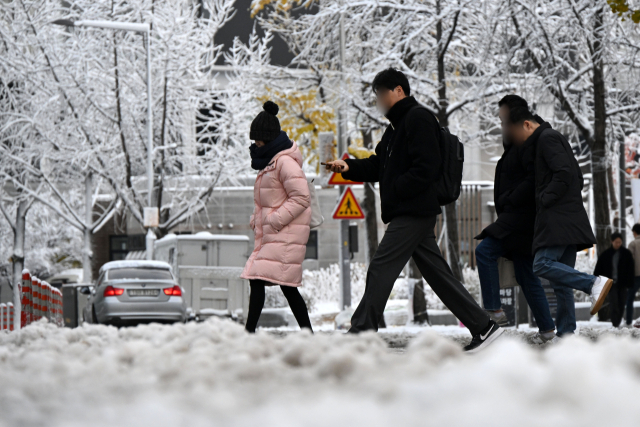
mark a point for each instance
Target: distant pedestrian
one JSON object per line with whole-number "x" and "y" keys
{"x": 280, "y": 219}
{"x": 407, "y": 164}
{"x": 634, "y": 247}
{"x": 562, "y": 226}
{"x": 617, "y": 263}
{"x": 511, "y": 235}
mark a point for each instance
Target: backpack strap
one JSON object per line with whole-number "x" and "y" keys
{"x": 440, "y": 128}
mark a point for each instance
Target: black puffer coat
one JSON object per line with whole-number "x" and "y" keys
{"x": 514, "y": 198}
{"x": 561, "y": 218}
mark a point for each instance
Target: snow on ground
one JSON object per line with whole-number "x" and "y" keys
{"x": 213, "y": 373}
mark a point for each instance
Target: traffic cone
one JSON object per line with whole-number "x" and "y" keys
{"x": 25, "y": 315}
{"x": 35, "y": 298}
{"x": 45, "y": 300}
{"x": 10, "y": 320}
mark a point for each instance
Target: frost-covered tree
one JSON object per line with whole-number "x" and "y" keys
{"x": 83, "y": 102}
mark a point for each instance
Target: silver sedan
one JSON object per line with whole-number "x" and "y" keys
{"x": 131, "y": 292}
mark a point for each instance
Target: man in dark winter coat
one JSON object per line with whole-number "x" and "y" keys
{"x": 511, "y": 235}
{"x": 406, "y": 164}
{"x": 617, "y": 263}
{"x": 561, "y": 227}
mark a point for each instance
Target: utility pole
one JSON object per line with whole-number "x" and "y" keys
{"x": 344, "y": 254}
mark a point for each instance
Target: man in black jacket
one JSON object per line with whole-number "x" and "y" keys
{"x": 617, "y": 263}
{"x": 406, "y": 164}
{"x": 562, "y": 226}
{"x": 511, "y": 235}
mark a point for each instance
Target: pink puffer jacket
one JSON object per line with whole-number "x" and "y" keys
{"x": 280, "y": 221}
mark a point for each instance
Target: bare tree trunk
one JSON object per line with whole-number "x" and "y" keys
{"x": 369, "y": 207}
{"x": 453, "y": 246}
{"x": 420, "y": 315}
{"x": 17, "y": 258}
{"x": 87, "y": 252}
{"x": 453, "y": 241}
{"x": 598, "y": 150}
{"x": 613, "y": 199}
{"x": 370, "y": 214}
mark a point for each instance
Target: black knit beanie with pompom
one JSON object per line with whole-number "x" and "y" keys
{"x": 266, "y": 126}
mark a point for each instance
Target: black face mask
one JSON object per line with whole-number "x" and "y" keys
{"x": 261, "y": 156}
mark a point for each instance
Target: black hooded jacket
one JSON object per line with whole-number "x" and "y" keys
{"x": 406, "y": 163}
{"x": 561, "y": 218}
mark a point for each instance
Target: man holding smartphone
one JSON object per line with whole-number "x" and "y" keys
{"x": 407, "y": 164}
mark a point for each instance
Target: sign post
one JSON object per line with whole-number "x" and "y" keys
{"x": 347, "y": 209}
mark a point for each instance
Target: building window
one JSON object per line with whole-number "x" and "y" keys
{"x": 312, "y": 245}
{"x": 120, "y": 246}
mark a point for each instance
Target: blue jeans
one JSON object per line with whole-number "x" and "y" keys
{"x": 631, "y": 296}
{"x": 555, "y": 263}
{"x": 487, "y": 254}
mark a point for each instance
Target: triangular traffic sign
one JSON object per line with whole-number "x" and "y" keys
{"x": 337, "y": 179}
{"x": 348, "y": 208}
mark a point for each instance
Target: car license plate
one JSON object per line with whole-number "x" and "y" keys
{"x": 143, "y": 292}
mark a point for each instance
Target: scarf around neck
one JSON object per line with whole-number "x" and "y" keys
{"x": 261, "y": 156}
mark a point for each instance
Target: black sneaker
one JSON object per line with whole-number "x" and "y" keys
{"x": 484, "y": 338}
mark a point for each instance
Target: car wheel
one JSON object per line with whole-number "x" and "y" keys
{"x": 93, "y": 315}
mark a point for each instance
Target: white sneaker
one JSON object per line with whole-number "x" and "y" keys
{"x": 599, "y": 291}
{"x": 545, "y": 337}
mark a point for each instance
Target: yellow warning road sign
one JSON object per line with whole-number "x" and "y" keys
{"x": 337, "y": 179}
{"x": 348, "y": 208}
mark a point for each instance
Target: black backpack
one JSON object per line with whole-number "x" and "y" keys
{"x": 452, "y": 152}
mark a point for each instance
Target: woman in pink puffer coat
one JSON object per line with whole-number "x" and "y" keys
{"x": 280, "y": 218}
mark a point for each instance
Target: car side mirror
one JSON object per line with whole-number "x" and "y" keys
{"x": 85, "y": 290}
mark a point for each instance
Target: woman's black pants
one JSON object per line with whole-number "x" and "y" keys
{"x": 256, "y": 303}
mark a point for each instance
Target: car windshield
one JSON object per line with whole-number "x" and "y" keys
{"x": 140, "y": 273}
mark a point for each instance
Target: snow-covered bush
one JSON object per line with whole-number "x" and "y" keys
{"x": 322, "y": 285}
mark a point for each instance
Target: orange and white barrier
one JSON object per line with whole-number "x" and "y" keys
{"x": 6, "y": 317}
{"x": 38, "y": 299}
{"x": 3, "y": 316}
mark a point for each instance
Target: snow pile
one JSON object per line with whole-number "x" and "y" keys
{"x": 214, "y": 373}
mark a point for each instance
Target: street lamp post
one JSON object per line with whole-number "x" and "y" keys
{"x": 145, "y": 29}
{"x": 344, "y": 254}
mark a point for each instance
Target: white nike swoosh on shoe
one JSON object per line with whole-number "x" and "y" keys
{"x": 484, "y": 337}
{"x": 488, "y": 341}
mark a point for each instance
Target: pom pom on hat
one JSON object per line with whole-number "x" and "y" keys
{"x": 271, "y": 107}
